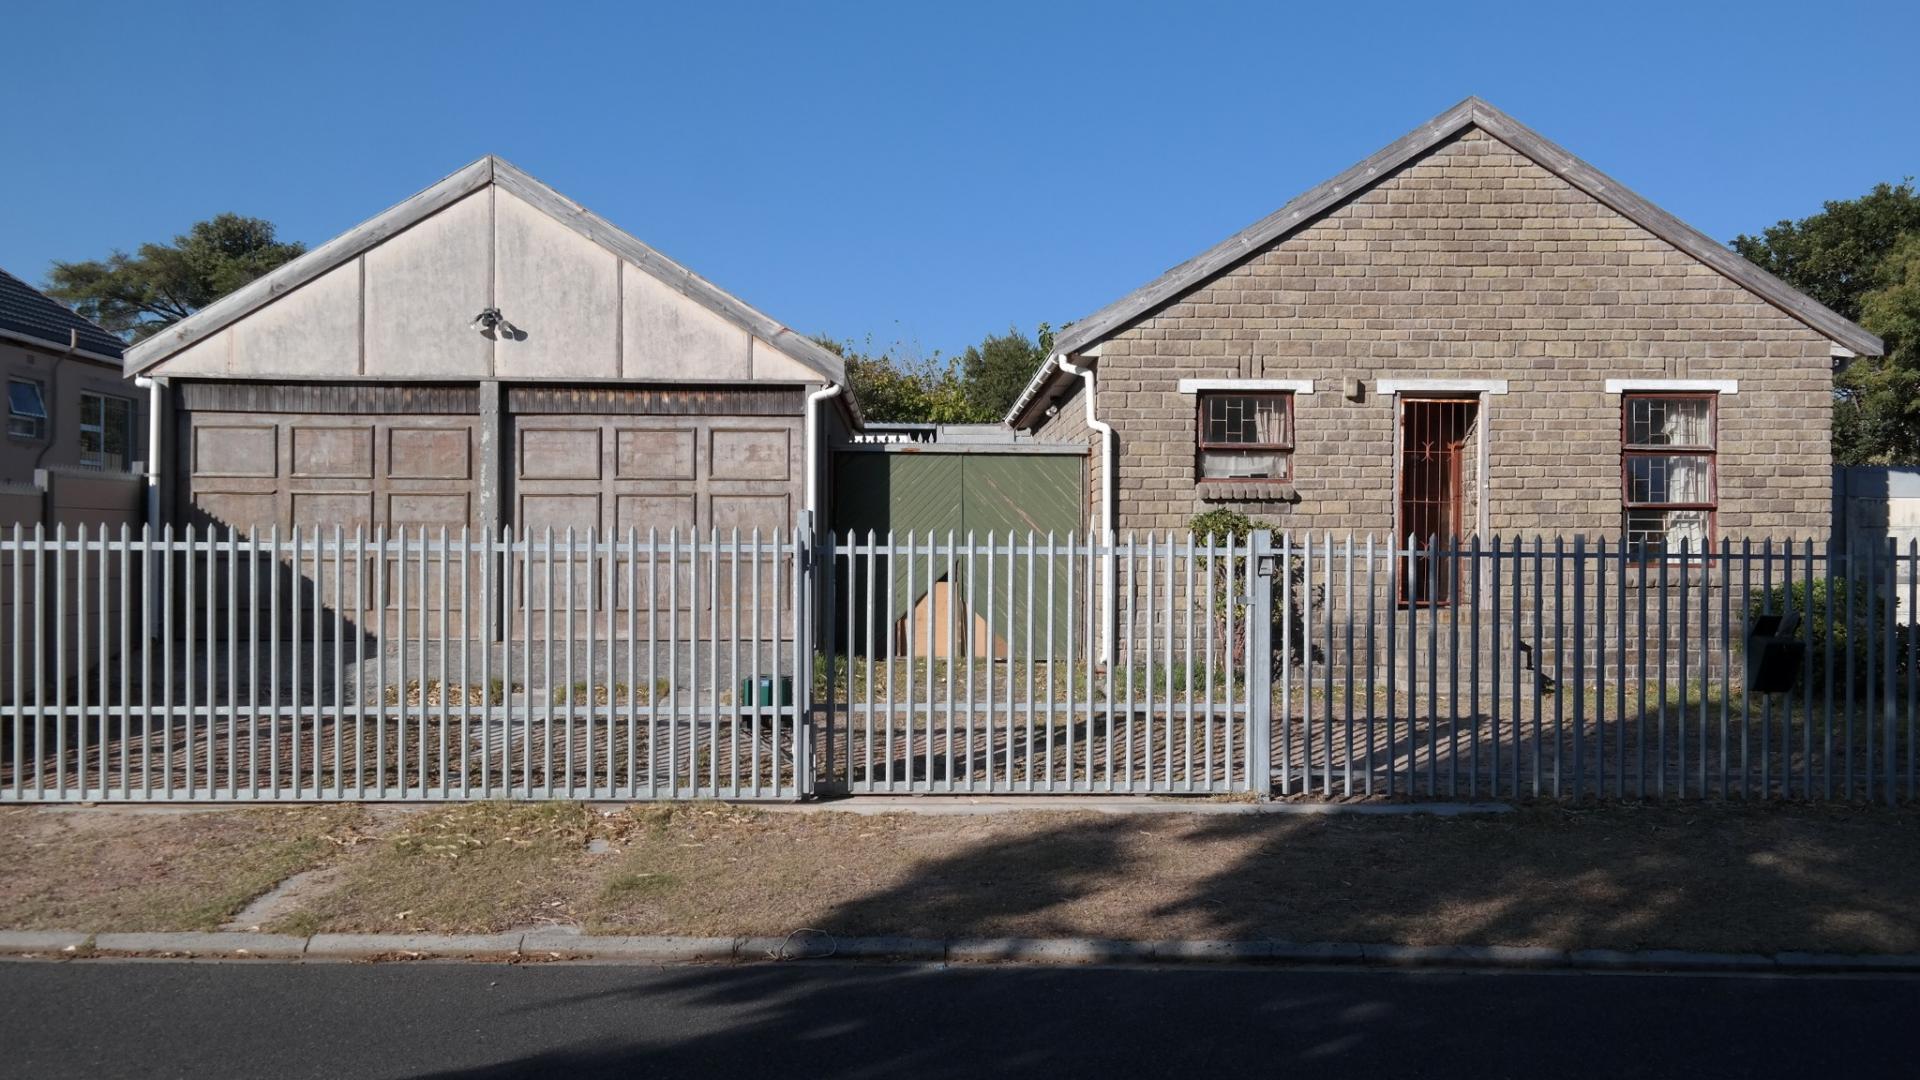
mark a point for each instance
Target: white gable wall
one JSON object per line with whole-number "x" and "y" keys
{"x": 404, "y": 310}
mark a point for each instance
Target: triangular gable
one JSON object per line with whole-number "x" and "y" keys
{"x": 529, "y": 208}
{"x": 1473, "y": 112}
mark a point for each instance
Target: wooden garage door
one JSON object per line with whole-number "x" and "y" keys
{"x": 656, "y": 472}
{"x": 306, "y": 456}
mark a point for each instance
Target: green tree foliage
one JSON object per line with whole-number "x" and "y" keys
{"x": 903, "y": 389}
{"x": 1876, "y": 418}
{"x": 1834, "y": 255}
{"x": 1861, "y": 257}
{"x": 897, "y": 386}
{"x": 138, "y": 295}
{"x": 997, "y": 369}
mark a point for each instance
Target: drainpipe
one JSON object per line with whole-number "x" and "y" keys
{"x": 814, "y": 401}
{"x": 153, "y": 448}
{"x": 1108, "y": 592}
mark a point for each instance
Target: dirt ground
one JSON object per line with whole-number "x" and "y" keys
{"x": 1762, "y": 878}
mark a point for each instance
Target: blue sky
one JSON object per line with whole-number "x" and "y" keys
{"x": 926, "y": 173}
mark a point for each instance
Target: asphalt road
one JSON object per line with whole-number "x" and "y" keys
{"x": 152, "y": 1019}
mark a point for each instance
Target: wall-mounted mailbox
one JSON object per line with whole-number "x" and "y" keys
{"x": 1774, "y": 655}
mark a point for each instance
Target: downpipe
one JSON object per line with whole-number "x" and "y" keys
{"x": 1109, "y": 591}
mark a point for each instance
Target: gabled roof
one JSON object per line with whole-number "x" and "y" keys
{"x": 1472, "y": 112}
{"x": 27, "y": 312}
{"x": 488, "y": 170}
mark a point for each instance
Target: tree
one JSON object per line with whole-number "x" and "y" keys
{"x": 138, "y": 295}
{"x": 1876, "y": 419}
{"x": 997, "y": 369}
{"x": 1859, "y": 258}
{"x": 1834, "y": 255}
{"x": 904, "y": 389}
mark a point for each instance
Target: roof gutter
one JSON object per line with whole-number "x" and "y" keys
{"x": 1105, "y": 430}
{"x": 72, "y": 348}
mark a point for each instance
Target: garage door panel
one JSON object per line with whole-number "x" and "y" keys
{"x": 657, "y": 454}
{"x": 236, "y": 450}
{"x": 553, "y": 453}
{"x": 332, "y": 451}
{"x": 425, "y": 453}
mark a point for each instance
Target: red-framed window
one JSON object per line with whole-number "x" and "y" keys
{"x": 1244, "y": 437}
{"x": 1670, "y": 490}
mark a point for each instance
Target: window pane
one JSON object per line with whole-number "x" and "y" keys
{"x": 118, "y": 437}
{"x": 1669, "y": 478}
{"x": 1242, "y": 465}
{"x": 1240, "y": 418}
{"x": 1656, "y": 532}
{"x": 1661, "y": 421}
{"x": 23, "y": 399}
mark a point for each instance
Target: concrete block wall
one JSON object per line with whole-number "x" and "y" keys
{"x": 1471, "y": 262}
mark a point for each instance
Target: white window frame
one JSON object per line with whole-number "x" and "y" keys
{"x": 38, "y": 432}
{"x": 100, "y": 429}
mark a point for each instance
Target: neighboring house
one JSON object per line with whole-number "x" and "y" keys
{"x": 1472, "y": 332}
{"x": 487, "y": 354}
{"x": 67, "y": 404}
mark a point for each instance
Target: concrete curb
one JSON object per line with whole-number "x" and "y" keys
{"x": 564, "y": 943}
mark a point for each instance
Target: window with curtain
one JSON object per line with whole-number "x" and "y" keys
{"x": 1245, "y": 437}
{"x": 106, "y": 432}
{"x": 1667, "y": 468}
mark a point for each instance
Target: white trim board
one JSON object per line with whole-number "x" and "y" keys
{"x": 1440, "y": 386}
{"x": 1296, "y": 386}
{"x": 1717, "y": 386}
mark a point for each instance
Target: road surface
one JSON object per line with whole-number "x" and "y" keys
{"x": 472, "y": 1021}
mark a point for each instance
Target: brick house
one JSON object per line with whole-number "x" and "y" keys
{"x": 1470, "y": 332}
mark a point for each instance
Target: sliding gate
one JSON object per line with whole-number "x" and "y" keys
{"x": 1045, "y": 664}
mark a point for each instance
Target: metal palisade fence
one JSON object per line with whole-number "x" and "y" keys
{"x": 210, "y": 666}
{"x": 205, "y": 665}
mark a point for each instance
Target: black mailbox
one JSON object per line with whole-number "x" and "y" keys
{"x": 1774, "y": 655}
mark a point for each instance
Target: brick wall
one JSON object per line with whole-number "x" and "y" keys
{"x": 1472, "y": 262}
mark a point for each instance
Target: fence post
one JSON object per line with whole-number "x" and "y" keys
{"x": 1260, "y": 664}
{"x": 806, "y": 588}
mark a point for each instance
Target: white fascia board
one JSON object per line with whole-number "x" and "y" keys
{"x": 1295, "y": 386}
{"x": 1440, "y": 386}
{"x": 1713, "y": 386}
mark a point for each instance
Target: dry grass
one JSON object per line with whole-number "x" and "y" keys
{"x": 112, "y": 870}
{"x": 470, "y": 868}
{"x": 1762, "y": 878}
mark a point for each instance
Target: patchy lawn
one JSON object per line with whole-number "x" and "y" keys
{"x": 468, "y": 868}
{"x": 120, "y": 870}
{"x": 1765, "y": 879}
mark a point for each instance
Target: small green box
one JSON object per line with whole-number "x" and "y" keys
{"x": 765, "y": 696}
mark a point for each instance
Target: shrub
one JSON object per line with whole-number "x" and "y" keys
{"x": 1809, "y": 600}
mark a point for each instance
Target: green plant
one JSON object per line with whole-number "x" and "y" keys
{"x": 1827, "y": 626}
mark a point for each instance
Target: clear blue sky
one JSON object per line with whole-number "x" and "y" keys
{"x": 911, "y": 171}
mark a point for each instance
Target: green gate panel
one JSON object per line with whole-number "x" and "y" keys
{"x": 931, "y": 494}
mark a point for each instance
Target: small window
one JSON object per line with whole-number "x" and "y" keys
{"x": 26, "y": 410}
{"x": 1667, "y": 471}
{"x": 1245, "y": 437}
{"x": 106, "y": 432}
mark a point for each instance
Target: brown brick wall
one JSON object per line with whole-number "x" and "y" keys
{"x": 1472, "y": 262}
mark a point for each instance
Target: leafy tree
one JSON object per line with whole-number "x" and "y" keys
{"x": 138, "y": 295}
{"x": 903, "y": 389}
{"x": 1859, "y": 258}
{"x": 1834, "y": 255}
{"x": 1876, "y": 419}
{"x": 997, "y": 369}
